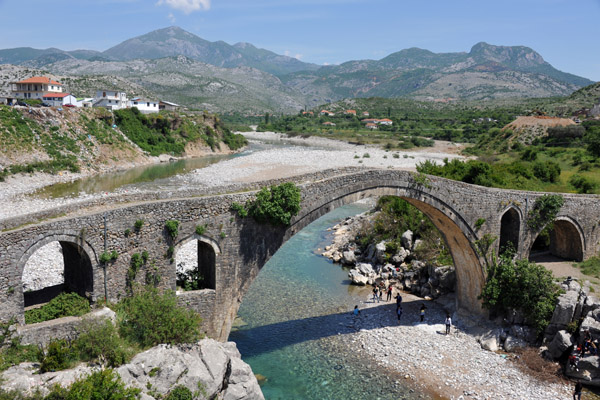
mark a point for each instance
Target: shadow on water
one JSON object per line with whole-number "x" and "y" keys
{"x": 286, "y": 333}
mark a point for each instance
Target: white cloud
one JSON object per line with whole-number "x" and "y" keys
{"x": 289, "y": 54}
{"x": 171, "y": 18}
{"x": 187, "y": 6}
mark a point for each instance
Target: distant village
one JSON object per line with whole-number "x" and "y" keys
{"x": 370, "y": 123}
{"x": 50, "y": 93}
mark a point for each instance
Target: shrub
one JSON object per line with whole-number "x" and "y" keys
{"x": 479, "y": 223}
{"x": 200, "y": 229}
{"x": 523, "y": 286}
{"x": 138, "y": 225}
{"x": 547, "y": 171}
{"x": 239, "y": 209}
{"x": 100, "y": 385}
{"x": 63, "y": 305}
{"x": 58, "y": 356}
{"x": 99, "y": 340}
{"x": 582, "y": 184}
{"x": 544, "y": 210}
{"x": 180, "y": 392}
{"x": 149, "y": 318}
{"x": 172, "y": 227}
{"x": 276, "y": 205}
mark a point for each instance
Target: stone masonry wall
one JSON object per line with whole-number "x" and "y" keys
{"x": 243, "y": 246}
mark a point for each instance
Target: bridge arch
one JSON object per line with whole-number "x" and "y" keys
{"x": 455, "y": 230}
{"x": 204, "y": 264}
{"x": 510, "y": 229}
{"x": 79, "y": 259}
{"x": 567, "y": 240}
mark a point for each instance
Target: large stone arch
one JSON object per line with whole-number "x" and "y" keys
{"x": 79, "y": 257}
{"x": 208, "y": 251}
{"x": 457, "y": 233}
{"x": 510, "y": 228}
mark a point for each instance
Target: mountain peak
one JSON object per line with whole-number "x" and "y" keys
{"x": 520, "y": 56}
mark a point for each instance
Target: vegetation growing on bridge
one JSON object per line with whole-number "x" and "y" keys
{"x": 275, "y": 205}
{"x": 172, "y": 227}
{"x": 544, "y": 211}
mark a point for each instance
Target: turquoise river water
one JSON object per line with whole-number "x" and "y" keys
{"x": 292, "y": 325}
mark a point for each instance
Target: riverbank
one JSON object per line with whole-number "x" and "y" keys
{"x": 313, "y": 154}
{"x": 450, "y": 366}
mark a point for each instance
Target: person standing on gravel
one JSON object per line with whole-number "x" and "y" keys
{"x": 398, "y": 301}
{"x": 422, "y": 312}
{"x": 375, "y": 294}
{"x": 577, "y": 391}
{"x": 389, "y": 293}
{"x": 399, "y": 313}
{"x": 448, "y": 323}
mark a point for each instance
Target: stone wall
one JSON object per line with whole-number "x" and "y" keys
{"x": 242, "y": 246}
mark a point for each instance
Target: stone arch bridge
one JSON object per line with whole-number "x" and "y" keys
{"x": 232, "y": 251}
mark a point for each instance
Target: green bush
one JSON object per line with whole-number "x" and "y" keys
{"x": 544, "y": 211}
{"x": 276, "y": 205}
{"x": 149, "y": 318}
{"x": 591, "y": 266}
{"x": 172, "y": 227}
{"x": 138, "y": 225}
{"x": 547, "y": 171}
{"x": 582, "y": 184}
{"x": 200, "y": 229}
{"x": 180, "y": 392}
{"x": 99, "y": 340}
{"x": 523, "y": 286}
{"x": 12, "y": 352}
{"x": 58, "y": 356}
{"x": 63, "y": 305}
{"x": 100, "y": 385}
{"x": 239, "y": 209}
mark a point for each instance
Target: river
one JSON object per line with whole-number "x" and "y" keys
{"x": 292, "y": 325}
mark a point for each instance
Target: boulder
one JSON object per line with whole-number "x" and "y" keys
{"x": 417, "y": 244}
{"x": 561, "y": 342}
{"x": 513, "y": 343}
{"x": 587, "y": 371}
{"x": 490, "y": 340}
{"x": 563, "y": 313}
{"x": 407, "y": 239}
{"x": 357, "y": 278}
{"x": 589, "y": 322}
{"x": 447, "y": 277}
{"x": 215, "y": 367}
{"x": 348, "y": 257}
{"x": 380, "y": 255}
{"x": 365, "y": 269}
{"x": 400, "y": 256}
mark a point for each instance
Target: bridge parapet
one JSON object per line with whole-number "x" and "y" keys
{"x": 243, "y": 246}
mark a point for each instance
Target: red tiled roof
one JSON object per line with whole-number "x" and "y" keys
{"x": 40, "y": 79}
{"x": 55, "y": 95}
{"x": 386, "y": 120}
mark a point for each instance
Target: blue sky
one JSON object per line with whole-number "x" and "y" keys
{"x": 564, "y": 32}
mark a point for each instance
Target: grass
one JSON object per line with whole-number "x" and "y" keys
{"x": 590, "y": 267}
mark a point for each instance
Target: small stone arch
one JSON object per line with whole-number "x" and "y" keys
{"x": 206, "y": 252}
{"x": 79, "y": 258}
{"x": 566, "y": 240}
{"x": 510, "y": 228}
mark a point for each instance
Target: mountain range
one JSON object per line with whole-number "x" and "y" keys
{"x": 179, "y": 66}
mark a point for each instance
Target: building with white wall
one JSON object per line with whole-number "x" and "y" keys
{"x": 60, "y": 99}
{"x": 145, "y": 106}
{"x": 111, "y": 99}
{"x": 35, "y": 88}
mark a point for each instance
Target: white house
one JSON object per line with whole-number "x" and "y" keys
{"x": 111, "y": 99}
{"x": 34, "y": 88}
{"x": 145, "y": 106}
{"x": 60, "y": 99}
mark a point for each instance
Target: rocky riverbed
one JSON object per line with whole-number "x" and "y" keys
{"x": 310, "y": 155}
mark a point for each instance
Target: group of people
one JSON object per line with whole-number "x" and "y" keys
{"x": 378, "y": 291}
